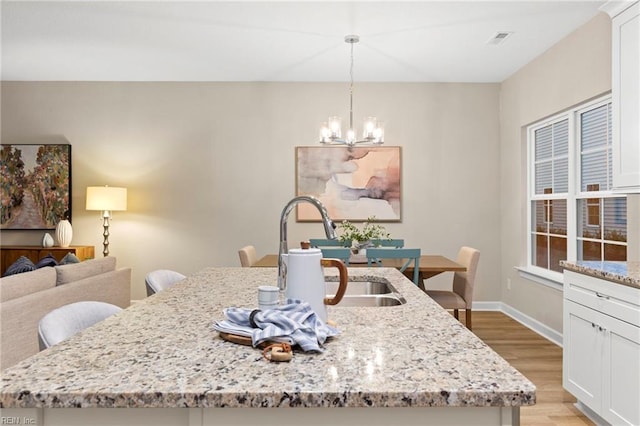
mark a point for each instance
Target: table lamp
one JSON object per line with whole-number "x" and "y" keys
{"x": 106, "y": 199}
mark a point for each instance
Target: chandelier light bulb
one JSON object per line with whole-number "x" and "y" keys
{"x": 351, "y": 137}
{"x": 378, "y": 133}
{"x": 369, "y": 127}
{"x": 335, "y": 125}
{"x": 325, "y": 133}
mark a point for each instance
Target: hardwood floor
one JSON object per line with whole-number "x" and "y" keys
{"x": 538, "y": 359}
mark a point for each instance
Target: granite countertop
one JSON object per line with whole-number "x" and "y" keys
{"x": 163, "y": 352}
{"x": 626, "y": 273}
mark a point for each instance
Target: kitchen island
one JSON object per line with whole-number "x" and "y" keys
{"x": 160, "y": 362}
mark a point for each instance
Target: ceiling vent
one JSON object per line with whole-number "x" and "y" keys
{"x": 499, "y": 37}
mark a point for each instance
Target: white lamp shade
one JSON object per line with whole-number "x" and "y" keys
{"x": 106, "y": 198}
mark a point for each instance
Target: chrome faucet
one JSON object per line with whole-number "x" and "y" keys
{"x": 329, "y": 230}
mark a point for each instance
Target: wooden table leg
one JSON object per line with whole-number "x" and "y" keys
{"x": 422, "y": 276}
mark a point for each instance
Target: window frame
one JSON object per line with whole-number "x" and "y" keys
{"x": 572, "y": 196}
{"x": 544, "y": 275}
{"x": 592, "y": 202}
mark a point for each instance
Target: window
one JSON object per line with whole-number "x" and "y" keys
{"x": 573, "y": 213}
{"x": 548, "y": 202}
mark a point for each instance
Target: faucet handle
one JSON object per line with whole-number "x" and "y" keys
{"x": 306, "y": 245}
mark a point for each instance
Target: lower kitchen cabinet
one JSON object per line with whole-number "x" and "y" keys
{"x": 601, "y": 352}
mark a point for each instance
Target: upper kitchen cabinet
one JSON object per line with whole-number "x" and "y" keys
{"x": 625, "y": 25}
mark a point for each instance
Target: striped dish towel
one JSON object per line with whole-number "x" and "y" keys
{"x": 294, "y": 323}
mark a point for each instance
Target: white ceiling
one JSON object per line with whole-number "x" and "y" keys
{"x": 419, "y": 41}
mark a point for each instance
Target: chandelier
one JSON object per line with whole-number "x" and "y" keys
{"x": 331, "y": 131}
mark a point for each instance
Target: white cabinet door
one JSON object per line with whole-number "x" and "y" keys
{"x": 601, "y": 363}
{"x": 621, "y": 368}
{"x": 626, "y": 99}
{"x": 582, "y": 354}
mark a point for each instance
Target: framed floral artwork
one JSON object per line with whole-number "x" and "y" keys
{"x": 36, "y": 185}
{"x": 353, "y": 183}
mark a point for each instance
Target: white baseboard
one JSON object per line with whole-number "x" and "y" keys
{"x": 487, "y": 306}
{"x": 524, "y": 319}
{"x": 590, "y": 414}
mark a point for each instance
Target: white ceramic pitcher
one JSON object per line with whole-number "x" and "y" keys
{"x": 305, "y": 278}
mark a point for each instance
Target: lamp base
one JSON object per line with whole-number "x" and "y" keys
{"x": 105, "y": 234}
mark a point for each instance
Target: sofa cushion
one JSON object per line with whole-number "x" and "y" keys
{"x": 78, "y": 271}
{"x": 23, "y": 264}
{"x": 48, "y": 260}
{"x": 19, "y": 285}
{"x": 69, "y": 258}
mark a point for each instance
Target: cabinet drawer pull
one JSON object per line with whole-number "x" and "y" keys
{"x": 602, "y": 296}
{"x": 593, "y": 325}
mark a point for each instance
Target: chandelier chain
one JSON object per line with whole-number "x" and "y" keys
{"x": 351, "y": 90}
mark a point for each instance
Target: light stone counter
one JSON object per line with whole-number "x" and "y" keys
{"x": 163, "y": 352}
{"x": 626, "y": 273}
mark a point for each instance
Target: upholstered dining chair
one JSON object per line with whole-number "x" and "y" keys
{"x": 324, "y": 242}
{"x": 248, "y": 256}
{"x": 376, "y": 255}
{"x": 461, "y": 295}
{"x": 341, "y": 253}
{"x": 67, "y": 320}
{"x": 161, "y": 279}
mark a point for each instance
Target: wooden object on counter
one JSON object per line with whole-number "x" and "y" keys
{"x": 236, "y": 338}
{"x": 9, "y": 254}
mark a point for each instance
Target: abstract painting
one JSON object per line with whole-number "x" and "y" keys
{"x": 36, "y": 186}
{"x": 353, "y": 183}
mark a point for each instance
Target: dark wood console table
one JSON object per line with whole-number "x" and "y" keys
{"x": 9, "y": 254}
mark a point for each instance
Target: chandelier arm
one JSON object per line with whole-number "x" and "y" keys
{"x": 343, "y": 141}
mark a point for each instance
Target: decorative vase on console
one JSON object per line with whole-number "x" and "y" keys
{"x": 64, "y": 233}
{"x": 47, "y": 240}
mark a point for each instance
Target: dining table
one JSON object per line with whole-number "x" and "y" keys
{"x": 430, "y": 265}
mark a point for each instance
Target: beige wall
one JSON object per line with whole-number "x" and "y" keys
{"x": 209, "y": 166}
{"x": 574, "y": 70}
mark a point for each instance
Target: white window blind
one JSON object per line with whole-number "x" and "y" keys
{"x": 551, "y": 163}
{"x": 595, "y": 130}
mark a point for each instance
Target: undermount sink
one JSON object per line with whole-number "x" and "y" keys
{"x": 361, "y": 288}
{"x": 371, "y": 301}
{"x": 370, "y": 292}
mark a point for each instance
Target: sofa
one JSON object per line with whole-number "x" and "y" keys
{"x": 26, "y": 297}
